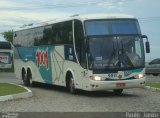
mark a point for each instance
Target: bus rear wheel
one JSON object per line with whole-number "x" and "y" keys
{"x": 118, "y": 91}
{"x": 25, "y": 79}
{"x": 29, "y": 78}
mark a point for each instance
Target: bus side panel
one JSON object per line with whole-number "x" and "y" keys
{"x": 49, "y": 64}
{"x": 57, "y": 61}
{"x": 63, "y": 61}
{"x": 18, "y": 64}
{"x": 38, "y": 59}
{"x": 77, "y": 73}
{"x": 72, "y": 66}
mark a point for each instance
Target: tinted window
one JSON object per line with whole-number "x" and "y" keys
{"x": 124, "y": 27}
{"x": 115, "y": 52}
{"x": 59, "y": 33}
{"x": 24, "y": 38}
{"x": 5, "y": 45}
{"x": 155, "y": 61}
{"x": 112, "y": 27}
{"x": 79, "y": 42}
{"x": 97, "y": 27}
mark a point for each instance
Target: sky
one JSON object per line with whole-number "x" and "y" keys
{"x": 15, "y": 13}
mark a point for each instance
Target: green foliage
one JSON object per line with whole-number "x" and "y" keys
{"x": 8, "y": 35}
{"x": 8, "y": 89}
{"x": 156, "y": 85}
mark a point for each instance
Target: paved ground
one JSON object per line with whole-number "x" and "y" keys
{"x": 151, "y": 78}
{"x": 51, "y": 98}
{"x": 9, "y": 78}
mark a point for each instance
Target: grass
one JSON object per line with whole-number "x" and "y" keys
{"x": 9, "y": 89}
{"x": 156, "y": 85}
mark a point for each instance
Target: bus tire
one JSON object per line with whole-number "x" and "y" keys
{"x": 70, "y": 84}
{"x": 29, "y": 78}
{"x": 24, "y": 78}
{"x": 118, "y": 91}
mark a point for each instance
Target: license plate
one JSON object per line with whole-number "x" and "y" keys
{"x": 119, "y": 85}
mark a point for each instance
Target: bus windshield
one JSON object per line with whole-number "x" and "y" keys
{"x": 115, "y": 52}
{"x": 112, "y": 27}
{"x": 114, "y": 44}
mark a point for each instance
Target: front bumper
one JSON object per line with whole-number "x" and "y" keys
{"x": 110, "y": 85}
{"x": 4, "y": 66}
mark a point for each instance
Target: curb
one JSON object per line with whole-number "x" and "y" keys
{"x": 17, "y": 96}
{"x": 152, "y": 88}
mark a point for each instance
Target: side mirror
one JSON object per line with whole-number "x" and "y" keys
{"x": 146, "y": 44}
{"x": 144, "y": 37}
{"x": 147, "y": 47}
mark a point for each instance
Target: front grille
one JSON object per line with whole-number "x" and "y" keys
{"x": 108, "y": 79}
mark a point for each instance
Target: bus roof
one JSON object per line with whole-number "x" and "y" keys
{"x": 103, "y": 16}
{"x": 78, "y": 17}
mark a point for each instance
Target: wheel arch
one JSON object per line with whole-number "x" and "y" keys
{"x": 29, "y": 71}
{"x": 68, "y": 74}
{"x": 23, "y": 71}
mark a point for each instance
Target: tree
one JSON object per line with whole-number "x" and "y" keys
{"x": 8, "y": 35}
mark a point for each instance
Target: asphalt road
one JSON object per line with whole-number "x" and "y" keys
{"x": 57, "y": 99}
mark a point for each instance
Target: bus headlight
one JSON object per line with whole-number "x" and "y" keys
{"x": 97, "y": 78}
{"x": 141, "y": 75}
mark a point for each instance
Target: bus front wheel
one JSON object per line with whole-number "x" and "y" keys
{"x": 70, "y": 84}
{"x": 118, "y": 91}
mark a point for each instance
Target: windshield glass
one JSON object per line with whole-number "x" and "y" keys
{"x": 114, "y": 52}
{"x": 112, "y": 27}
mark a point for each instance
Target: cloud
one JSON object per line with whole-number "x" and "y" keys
{"x": 155, "y": 47}
{"x": 28, "y": 15}
{"x": 2, "y": 38}
{"x": 113, "y": 3}
{"x": 15, "y": 19}
{"x": 14, "y": 14}
{"x": 5, "y": 3}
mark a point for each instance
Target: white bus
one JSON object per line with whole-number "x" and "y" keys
{"x": 6, "y": 55}
{"x": 89, "y": 52}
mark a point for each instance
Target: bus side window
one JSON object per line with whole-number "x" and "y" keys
{"x": 62, "y": 33}
{"x": 38, "y": 36}
{"x": 67, "y": 36}
{"x": 79, "y": 42}
{"x": 56, "y": 33}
